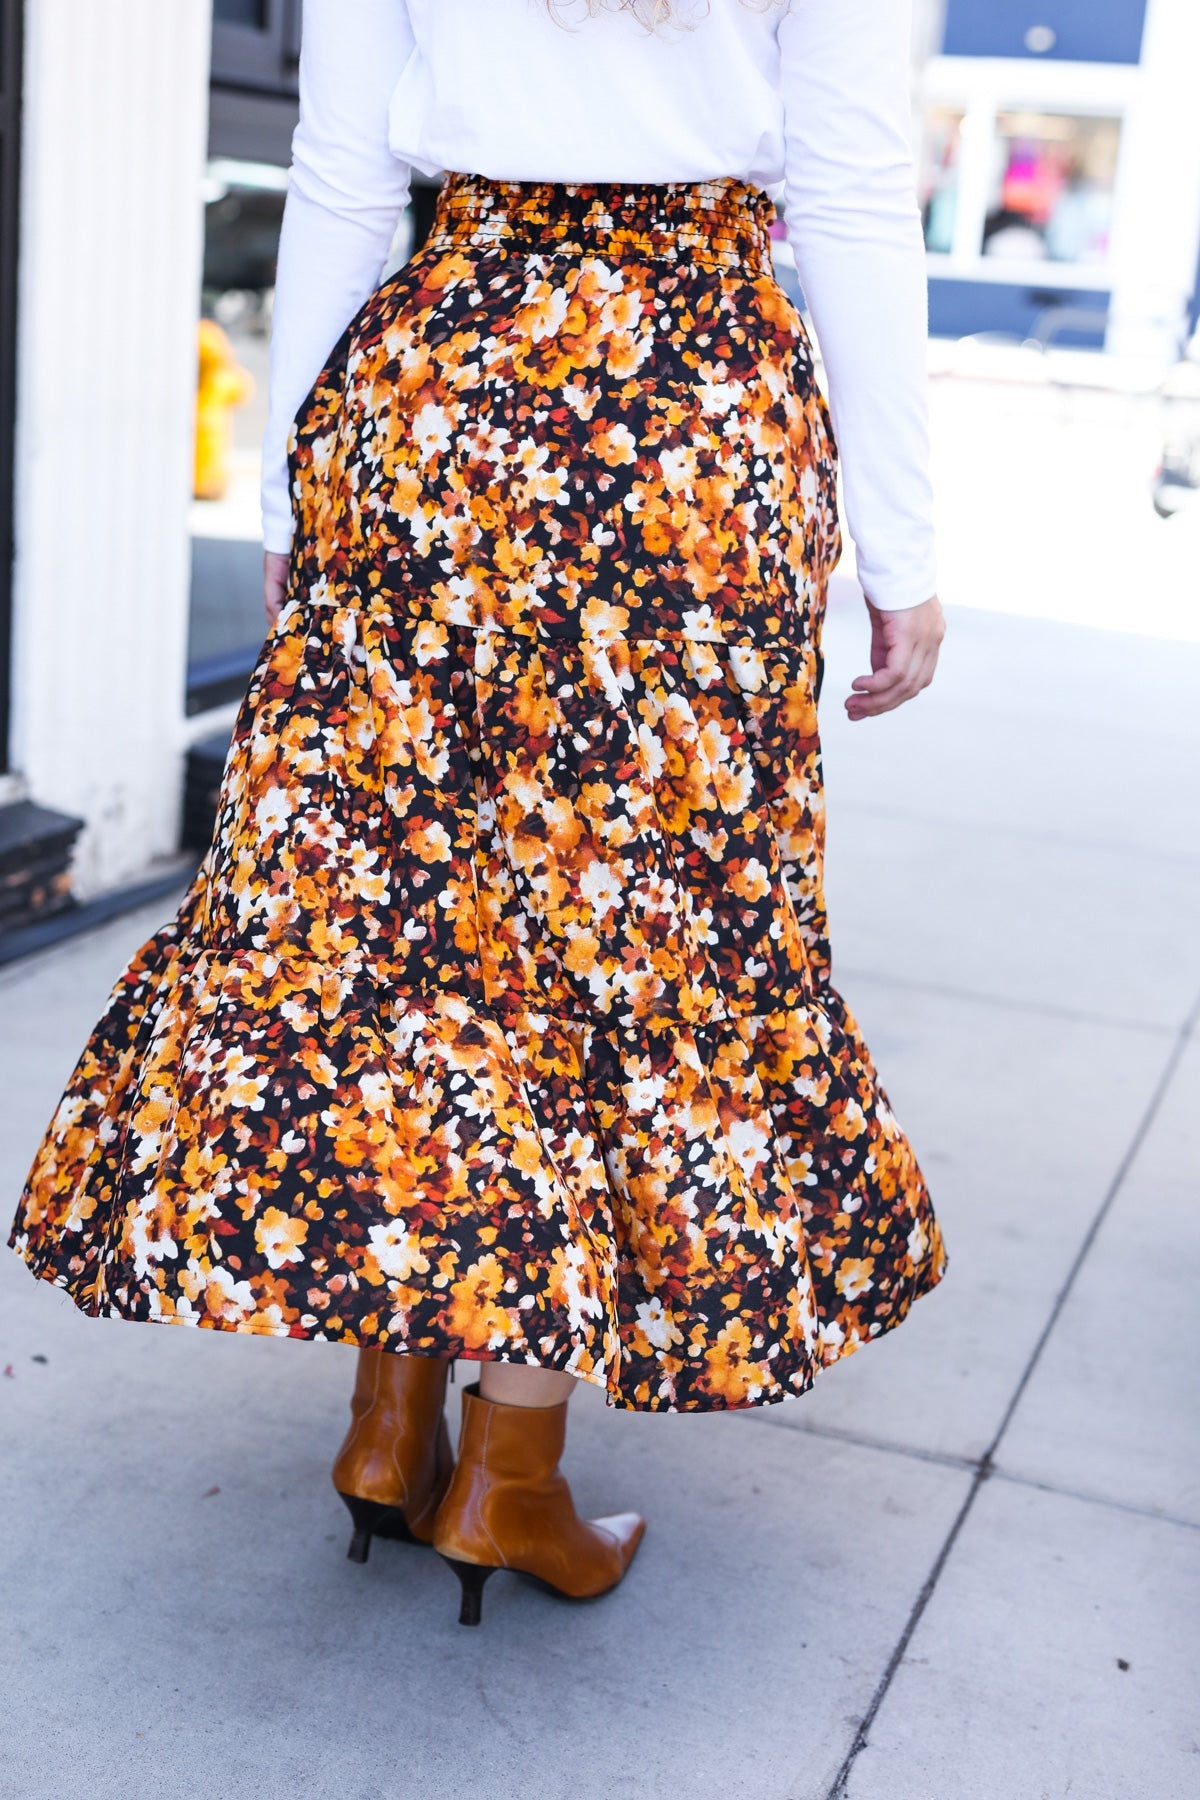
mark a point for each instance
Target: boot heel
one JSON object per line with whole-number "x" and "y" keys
{"x": 472, "y": 1577}
{"x": 372, "y": 1519}
{"x": 396, "y": 1461}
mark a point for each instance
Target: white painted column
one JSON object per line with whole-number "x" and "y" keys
{"x": 115, "y": 125}
{"x": 1157, "y": 214}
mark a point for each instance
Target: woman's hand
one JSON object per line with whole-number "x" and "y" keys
{"x": 904, "y": 653}
{"x": 275, "y": 574}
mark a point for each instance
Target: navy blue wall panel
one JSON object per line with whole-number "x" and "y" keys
{"x": 957, "y": 307}
{"x": 1107, "y": 31}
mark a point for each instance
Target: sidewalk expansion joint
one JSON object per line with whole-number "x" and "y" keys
{"x": 945, "y": 1459}
{"x": 987, "y": 1464}
{"x": 1045, "y": 1009}
{"x": 1093, "y": 1499}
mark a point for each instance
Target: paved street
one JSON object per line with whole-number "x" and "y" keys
{"x": 976, "y": 1546}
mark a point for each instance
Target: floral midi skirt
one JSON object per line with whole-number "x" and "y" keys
{"x": 498, "y": 1020}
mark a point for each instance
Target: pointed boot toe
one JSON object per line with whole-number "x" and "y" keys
{"x": 508, "y": 1506}
{"x": 627, "y": 1531}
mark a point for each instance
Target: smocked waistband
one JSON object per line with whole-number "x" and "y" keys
{"x": 723, "y": 223}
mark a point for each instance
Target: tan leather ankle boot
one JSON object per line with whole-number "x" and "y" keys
{"x": 508, "y": 1506}
{"x": 396, "y": 1462}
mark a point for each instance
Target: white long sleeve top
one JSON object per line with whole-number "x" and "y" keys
{"x": 809, "y": 98}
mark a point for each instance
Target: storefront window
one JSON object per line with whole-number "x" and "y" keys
{"x": 1051, "y": 189}
{"x": 241, "y": 239}
{"x": 939, "y": 177}
{"x": 243, "y": 214}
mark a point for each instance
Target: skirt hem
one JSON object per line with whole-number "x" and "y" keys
{"x": 42, "y": 1269}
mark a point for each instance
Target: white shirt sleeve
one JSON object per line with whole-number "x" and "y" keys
{"x": 854, "y": 226}
{"x": 345, "y": 198}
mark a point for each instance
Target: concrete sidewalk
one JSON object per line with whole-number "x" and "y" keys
{"x": 966, "y": 1567}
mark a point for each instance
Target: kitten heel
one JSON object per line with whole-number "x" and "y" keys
{"x": 373, "y": 1519}
{"x": 472, "y": 1577}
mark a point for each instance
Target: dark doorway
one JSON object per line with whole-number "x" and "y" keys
{"x": 10, "y": 157}
{"x": 255, "y": 69}
{"x": 256, "y": 43}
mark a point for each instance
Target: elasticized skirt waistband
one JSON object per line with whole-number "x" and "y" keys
{"x": 722, "y": 224}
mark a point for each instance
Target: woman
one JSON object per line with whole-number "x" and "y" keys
{"x": 498, "y": 1022}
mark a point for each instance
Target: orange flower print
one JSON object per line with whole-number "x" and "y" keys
{"x": 279, "y": 1238}
{"x": 397, "y": 1252}
{"x": 732, "y": 1372}
{"x": 498, "y": 1021}
{"x": 615, "y": 445}
{"x": 854, "y": 1276}
{"x": 474, "y": 1317}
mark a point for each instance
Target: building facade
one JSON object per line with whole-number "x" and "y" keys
{"x": 1060, "y": 177}
{"x": 1060, "y": 169}
{"x": 108, "y": 237}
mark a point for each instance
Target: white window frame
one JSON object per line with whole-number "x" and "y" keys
{"x": 983, "y": 87}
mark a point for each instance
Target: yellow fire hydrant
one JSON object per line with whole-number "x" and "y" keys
{"x": 222, "y": 385}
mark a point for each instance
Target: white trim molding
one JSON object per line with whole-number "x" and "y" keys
{"x": 114, "y": 141}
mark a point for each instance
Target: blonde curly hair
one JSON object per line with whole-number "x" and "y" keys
{"x": 652, "y": 13}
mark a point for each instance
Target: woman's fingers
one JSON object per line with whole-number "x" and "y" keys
{"x": 275, "y": 576}
{"x": 871, "y": 706}
{"x": 885, "y": 688}
{"x": 904, "y": 653}
{"x": 894, "y": 671}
